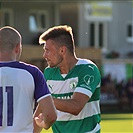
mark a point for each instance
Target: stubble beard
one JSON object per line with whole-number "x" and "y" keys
{"x": 57, "y": 64}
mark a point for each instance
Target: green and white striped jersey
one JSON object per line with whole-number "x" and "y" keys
{"x": 84, "y": 78}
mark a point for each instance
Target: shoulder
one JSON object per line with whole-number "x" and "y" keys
{"x": 19, "y": 65}
{"x": 28, "y": 67}
{"x": 85, "y": 62}
{"x": 87, "y": 66}
{"x": 32, "y": 69}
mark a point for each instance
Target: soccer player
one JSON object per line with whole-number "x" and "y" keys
{"x": 20, "y": 85}
{"x": 73, "y": 82}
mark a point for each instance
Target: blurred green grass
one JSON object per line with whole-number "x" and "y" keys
{"x": 113, "y": 123}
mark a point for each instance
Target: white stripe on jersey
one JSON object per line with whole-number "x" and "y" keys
{"x": 93, "y": 108}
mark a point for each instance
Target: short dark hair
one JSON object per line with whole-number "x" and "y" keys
{"x": 9, "y": 38}
{"x": 61, "y": 34}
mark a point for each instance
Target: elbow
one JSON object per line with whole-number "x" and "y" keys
{"x": 54, "y": 118}
{"x": 50, "y": 121}
{"x": 76, "y": 111}
{"x": 46, "y": 128}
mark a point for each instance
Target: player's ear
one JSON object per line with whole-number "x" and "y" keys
{"x": 63, "y": 50}
{"x": 17, "y": 48}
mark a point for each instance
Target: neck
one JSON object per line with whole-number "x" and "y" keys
{"x": 68, "y": 65}
{"x": 7, "y": 57}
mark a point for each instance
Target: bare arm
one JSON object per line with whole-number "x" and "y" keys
{"x": 45, "y": 114}
{"x": 37, "y": 129}
{"x": 72, "y": 106}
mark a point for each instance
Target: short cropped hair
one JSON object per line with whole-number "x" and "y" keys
{"x": 62, "y": 35}
{"x": 9, "y": 38}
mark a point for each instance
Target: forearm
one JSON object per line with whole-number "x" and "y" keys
{"x": 67, "y": 105}
{"x": 45, "y": 114}
{"x": 72, "y": 106}
{"x": 37, "y": 129}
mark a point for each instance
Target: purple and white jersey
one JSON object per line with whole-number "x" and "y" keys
{"x": 20, "y": 85}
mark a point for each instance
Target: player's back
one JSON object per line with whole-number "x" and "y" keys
{"x": 16, "y": 97}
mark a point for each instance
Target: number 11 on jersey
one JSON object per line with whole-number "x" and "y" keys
{"x": 9, "y": 104}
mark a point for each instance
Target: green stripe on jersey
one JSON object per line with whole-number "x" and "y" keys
{"x": 80, "y": 126}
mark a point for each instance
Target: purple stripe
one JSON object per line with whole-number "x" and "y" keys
{"x": 9, "y": 90}
{"x": 1, "y": 105}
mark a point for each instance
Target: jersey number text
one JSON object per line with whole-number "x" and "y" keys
{"x": 9, "y": 91}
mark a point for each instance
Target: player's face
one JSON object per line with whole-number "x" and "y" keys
{"x": 52, "y": 54}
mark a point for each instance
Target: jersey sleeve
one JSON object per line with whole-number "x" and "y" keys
{"x": 89, "y": 79}
{"x": 41, "y": 89}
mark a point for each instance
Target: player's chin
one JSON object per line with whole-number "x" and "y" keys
{"x": 50, "y": 64}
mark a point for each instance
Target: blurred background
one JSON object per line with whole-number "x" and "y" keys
{"x": 103, "y": 32}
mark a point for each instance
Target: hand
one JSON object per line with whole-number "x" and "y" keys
{"x": 40, "y": 120}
